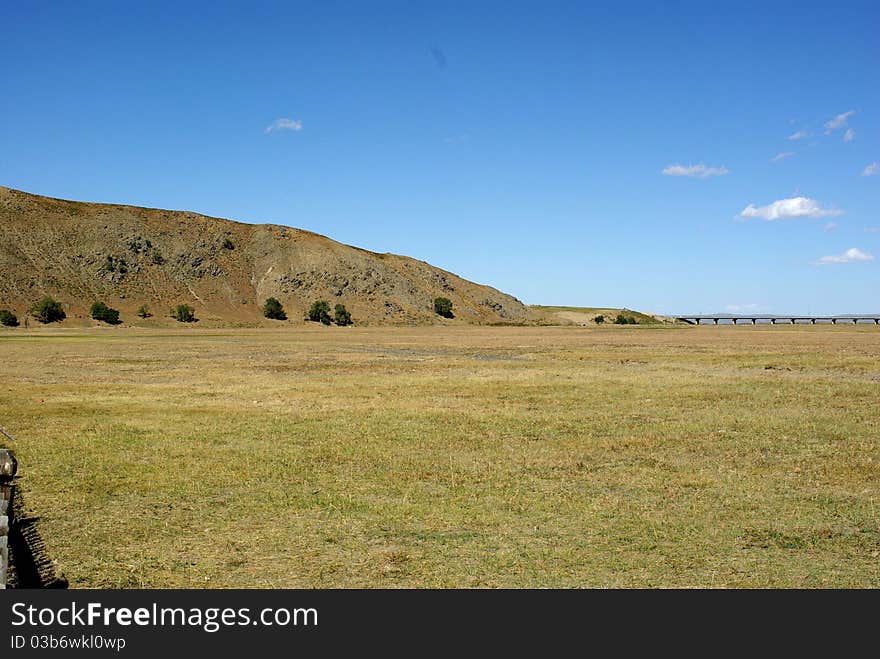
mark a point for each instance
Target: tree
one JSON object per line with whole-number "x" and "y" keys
{"x": 101, "y": 311}
{"x": 183, "y": 313}
{"x": 273, "y": 309}
{"x": 599, "y": 320}
{"x": 8, "y": 319}
{"x": 341, "y": 317}
{"x": 443, "y": 307}
{"x": 48, "y": 310}
{"x": 319, "y": 312}
{"x": 144, "y": 311}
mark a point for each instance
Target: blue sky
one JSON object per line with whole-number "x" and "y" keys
{"x": 521, "y": 145}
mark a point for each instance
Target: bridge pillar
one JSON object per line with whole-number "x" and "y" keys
{"x": 772, "y": 321}
{"x": 855, "y": 320}
{"x": 792, "y": 321}
{"x": 812, "y": 321}
{"x": 733, "y": 320}
{"x": 834, "y": 321}
{"x": 754, "y": 321}
{"x": 877, "y": 321}
{"x": 715, "y": 320}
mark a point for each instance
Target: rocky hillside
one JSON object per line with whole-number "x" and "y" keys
{"x": 128, "y": 256}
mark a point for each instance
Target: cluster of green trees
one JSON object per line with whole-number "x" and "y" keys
{"x": 443, "y": 307}
{"x": 49, "y": 310}
{"x": 341, "y": 316}
{"x": 101, "y": 311}
{"x": 273, "y": 309}
{"x": 8, "y": 319}
{"x": 621, "y": 319}
{"x": 46, "y": 310}
{"x": 183, "y": 313}
{"x": 319, "y": 312}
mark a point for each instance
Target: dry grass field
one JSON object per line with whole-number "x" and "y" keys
{"x": 451, "y": 457}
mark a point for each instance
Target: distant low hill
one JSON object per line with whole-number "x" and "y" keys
{"x": 128, "y": 256}
{"x": 587, "y": 315}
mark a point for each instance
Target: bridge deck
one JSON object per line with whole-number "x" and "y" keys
{"x": 734, "y": 319}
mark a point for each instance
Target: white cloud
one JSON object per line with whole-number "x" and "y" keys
{"x": 830, "y": 226}
{"x": 852, "y": 255}
{"x": 739, "y": 308}
{"x": 284, "y": 124}
{"x": 873, "y": 229}
{"x": 871, "y": 170}
{"x": 801, "y": 134}
{"x": 782, "y": 156}
{"x": 849, "y": 135}
{"x": 789, "y": 208}
{"x": 838, "y": 122}
{"x": 695, "y": 171}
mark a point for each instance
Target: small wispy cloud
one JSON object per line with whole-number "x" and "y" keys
{"x": 740, "y": 308}
{"x": 784, "y": 209}
{"x": 460, "y": 138}
{"x": 849, "y": 135}
{"x": 284, "y": 124}
{"x": 801, "y": 134}
{"x": 852, "y": 255}
{"x": 871, "y": 170}
{"x": 838, "y": 122}
{"x": 830, "y": 226}
{"x": 699, "y": 170}
{"x": 872, "y": 229}
{"x": 439, "y": 56}
{"x": 782, "y": 156}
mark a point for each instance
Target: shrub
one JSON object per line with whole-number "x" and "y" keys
{"x": 157, "y": 258}
{"x": 101, "y": 311}
{"x": 319, "y": 312}
{"x": 227, "y": 244}
{"x": 599, "y": 320}
{"x": 144, "y": 311}
{"x": 341, "y": 317}
{"x": 443, "y": 307}
{"x": 273, "y": 309}
{"x": 48, "y": 310}
{"x": 8, "y": 319}
{"x": 625, "y": 320}
{"x": 183, "y": 313}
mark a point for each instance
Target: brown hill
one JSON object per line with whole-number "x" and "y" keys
{"x": 128, "y": 256}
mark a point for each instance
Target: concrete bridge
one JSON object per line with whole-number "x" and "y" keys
{"x": 774, "y": 319}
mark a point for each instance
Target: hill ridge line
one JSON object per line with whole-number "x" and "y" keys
{"x": 129, "y": 255}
